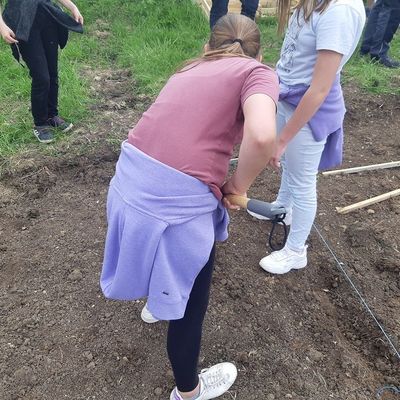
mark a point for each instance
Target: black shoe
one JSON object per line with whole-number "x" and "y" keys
{"x": 43, "y": 133}
{"x": 59, "y": 123}
{"x": 389, "y": 62}
{"x": 386, "y": 61}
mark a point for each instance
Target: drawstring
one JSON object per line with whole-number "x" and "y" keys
{"x": 19, "y": 55}
{"x": 279, "y": 219}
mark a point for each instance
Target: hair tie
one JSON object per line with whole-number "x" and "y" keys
{"x": 232, "y": 41}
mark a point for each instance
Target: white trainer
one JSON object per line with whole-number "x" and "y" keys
{"x": 287, "y": 219}
{"x": 147, "y": 316}
{"x": 214, "y": 381}
{"x": 282, "y": 261}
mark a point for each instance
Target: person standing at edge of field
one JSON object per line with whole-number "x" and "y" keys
{"x": 220, "y": 7}
{"x": 35, "y": 29}
{"x": 382, "y": 24}
{"x": 165, "y": 203}
{"x": 320, "y": 39}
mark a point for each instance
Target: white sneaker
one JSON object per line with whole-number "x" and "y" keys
{"x": 147, "y": 316}
{"x": 282, "y": 261}
{"x": 214, "y": 381}
{"x": 287, "y": 219}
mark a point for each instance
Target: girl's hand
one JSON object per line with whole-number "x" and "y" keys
{"x": 7, "y": 34}
{"x": 77, "y": 15}
{"x": 229, "y": 188}
{"x": 275, "y": 160}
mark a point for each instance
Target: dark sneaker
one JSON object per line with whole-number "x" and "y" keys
{"x": 389, "y": 62}
{"x": 386, "y": 61}
{"x": 43, "y": 133}
{"x": 59, "y": 123}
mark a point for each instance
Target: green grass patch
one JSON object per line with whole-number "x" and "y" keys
{"x": 372, "y": 76}
{"x": 149, "y": 37}
{"x": 152, "y": 39}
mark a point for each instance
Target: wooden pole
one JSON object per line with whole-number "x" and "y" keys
{"x": 368, "y": 202}
{"x": 353, "y": 170}
{"x": 205, "y": 5}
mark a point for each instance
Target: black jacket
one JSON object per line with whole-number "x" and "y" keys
{"x": 20, "y": 14}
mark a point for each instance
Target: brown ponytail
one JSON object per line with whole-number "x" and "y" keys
{"x": 233, "y": 35}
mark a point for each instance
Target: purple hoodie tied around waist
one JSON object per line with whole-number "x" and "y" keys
{"x": 162, "y": 225}
{"x": 326, "y": 123}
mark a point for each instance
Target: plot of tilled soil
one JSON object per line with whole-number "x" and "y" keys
{"x": 303, "y": 335}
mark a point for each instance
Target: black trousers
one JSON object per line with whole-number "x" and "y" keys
{"x": 381, "y": 26}
{"x": 220, "y": 7}
{"x": 184, "y": 335}
{"x": 40, "y": 54}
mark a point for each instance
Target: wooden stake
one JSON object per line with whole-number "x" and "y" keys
{"x": 205, "y": 5}
{"x": 368, "y": 202}
{"x": 392, "y": 164}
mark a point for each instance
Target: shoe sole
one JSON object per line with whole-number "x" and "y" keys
{"x": 43, "y": 140}
{"x": 68, "y": 128}
{"x": 282, "y": 272}
{"x": 262, "y": 218}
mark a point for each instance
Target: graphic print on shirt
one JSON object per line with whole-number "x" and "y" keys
{"x": 289, "y": 44}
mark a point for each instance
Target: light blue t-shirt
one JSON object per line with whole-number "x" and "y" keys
{"x": 338, "y": 28}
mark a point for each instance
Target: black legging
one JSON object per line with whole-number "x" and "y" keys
{"x": 40, "y": 54}
{"x": 184, "y": 335}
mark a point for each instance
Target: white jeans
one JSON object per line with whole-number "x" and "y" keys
{"x": 298, "y": 189}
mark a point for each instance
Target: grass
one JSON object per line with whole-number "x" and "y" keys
{"x": 149, "y": 37}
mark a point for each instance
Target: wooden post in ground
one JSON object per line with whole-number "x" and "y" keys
{"x": 368, "y": 202}
{"x": 372, "y": 167}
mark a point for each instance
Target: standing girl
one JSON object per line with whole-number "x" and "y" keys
{"x": 164, "y": 206}
{"x": 35, "y": 29}
{"x": 321, "y": 37}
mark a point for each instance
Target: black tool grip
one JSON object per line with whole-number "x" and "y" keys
{"x": 265, "y": 209}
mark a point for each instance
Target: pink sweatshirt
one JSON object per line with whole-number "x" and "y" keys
{"x": 197, "y": 119}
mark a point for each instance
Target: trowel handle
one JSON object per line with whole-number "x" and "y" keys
{"x": 264, "y": 208}
{"x": 237, "y": 200}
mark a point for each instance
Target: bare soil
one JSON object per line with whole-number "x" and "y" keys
{"x": 304, "y": 335}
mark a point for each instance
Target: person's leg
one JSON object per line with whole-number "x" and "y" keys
{"x": 184, "y": 335}
{"x": 249, "y": 8}
{"x": 302, "y": 158}
{"x": 33, "y": 54}
{"x": 49, "y": 35}
{"x": 50, "y": 45}
{"x": 370, "y": 27}
{"x": 393, "y": 25}
{"x": 218, "y": 9}
{"x": 284, "y": 197}
{"x": 390, "y": 31}
{"x": 382, "y": 23}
